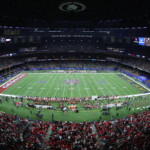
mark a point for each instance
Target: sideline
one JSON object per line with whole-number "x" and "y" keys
{"x": 121, "y": 96}
{"x": 136, "y": 82}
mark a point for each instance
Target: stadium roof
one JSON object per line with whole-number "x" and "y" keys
{"x": 100, "y": 13}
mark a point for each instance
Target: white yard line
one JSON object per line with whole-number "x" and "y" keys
{"x": 111, "y": 85}
{"x": 71, "y": 90}
{"x": 122, "y": 90}
{"x": 79, "y": 89}
{"x": 57, "y": 87}
{"x": 71, "y": 87}
{"x": 130, "y": 88}
{"x": 84, "y": 85}
{"x": 20, "y": 83}
{"x": 64, "y": 88}
{"x": 97, "y": 85}
{"x": 33, "y": 90}
{"x": 92, "y": 86}
{"x": 109, "y": 91}
{"x": 44, "y": 85}
{"x": 51, "y": 85}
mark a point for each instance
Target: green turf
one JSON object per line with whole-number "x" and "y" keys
{"x": 53, "y": 84}
{"x": 83, "y": 115}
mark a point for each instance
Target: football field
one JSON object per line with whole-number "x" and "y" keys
{"x": 73, "y": 85}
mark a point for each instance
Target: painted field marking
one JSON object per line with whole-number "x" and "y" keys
{"x": 124, "y": 96}
{"x": 12, "y": 81}
{"x": 136, "y": 82}
{"x": 113, "y": 87}
{"x": 29, "y": 88}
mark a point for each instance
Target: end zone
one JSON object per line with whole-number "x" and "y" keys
{"x": 9, "y": 83}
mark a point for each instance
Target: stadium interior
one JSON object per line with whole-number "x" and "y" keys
{"x": 74, "y": 75}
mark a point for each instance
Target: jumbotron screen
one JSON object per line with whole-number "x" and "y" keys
{"x": 144, "y": 41}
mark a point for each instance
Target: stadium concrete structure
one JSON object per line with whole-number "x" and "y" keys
{"x": 74, "y": 74}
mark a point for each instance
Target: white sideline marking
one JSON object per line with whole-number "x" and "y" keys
{"x": 43, "y": 88}
{"x": 19, "y": 87}
{"x": 9, "y": 95}
{"x": 71, "y": 88}
{"x": 114, "y": 96}
{"x": 124, "y": 87}
{"x": 100, "y": 88}
{"x": 86, "y": 88}
{"x": 104, "y": 98}
{"x": 136, "y": 82}
{"x": 56, "y": 88}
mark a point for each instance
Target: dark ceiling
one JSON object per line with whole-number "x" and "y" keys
{"x": 99, "y": 13}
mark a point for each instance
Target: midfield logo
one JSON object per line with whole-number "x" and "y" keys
{"x": 72, "y": 81}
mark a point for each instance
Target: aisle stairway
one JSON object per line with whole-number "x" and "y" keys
{"x": 47, "y": 137}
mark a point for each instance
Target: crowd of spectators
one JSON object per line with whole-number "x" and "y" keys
{"x": 17, "y": 133}
{"x": 5, "y": 75}
{"x": 7, "y": 63}
{"x": 71, "y": 64}
{"x": 130, "y": 65}
{"x": 134, "y": 62}
{"x": 134, "y": 72}
{"x": 68, "y": 135}
{"x": 131, "y": 132}
{"x": 148, "y": 81}
{"x": 141, "y": 64}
